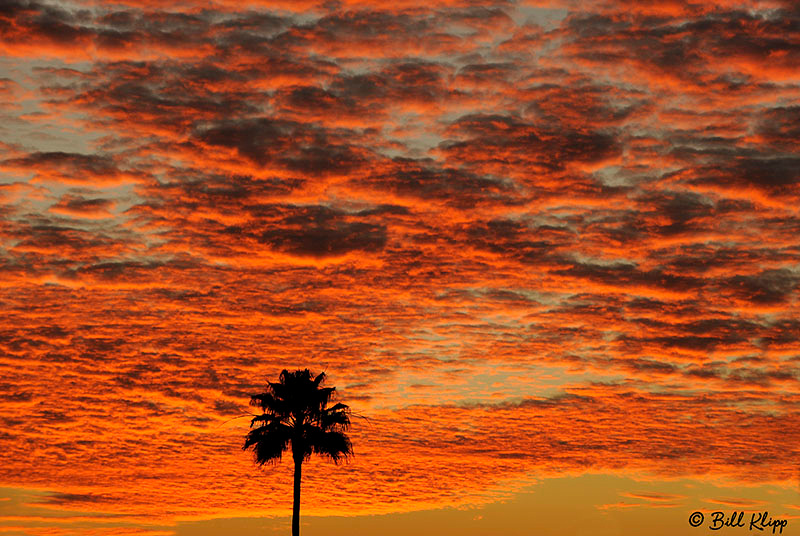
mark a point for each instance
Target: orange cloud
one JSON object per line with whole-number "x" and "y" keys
{"x": 519, "y": 248}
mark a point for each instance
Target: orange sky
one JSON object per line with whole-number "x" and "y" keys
{"x": 547, "y": 250}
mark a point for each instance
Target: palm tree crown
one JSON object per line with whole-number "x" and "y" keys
{"x": 295, "y": 412}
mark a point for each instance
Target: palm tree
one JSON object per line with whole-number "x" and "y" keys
{"x": 296, "y": 412}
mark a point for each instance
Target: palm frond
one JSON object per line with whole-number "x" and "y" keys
{"x": 336, "y": 417}
{"x": 268, "y": 441}
{"x": 319, "y": 379}
{"x": 266, "y": 419}
{"x": 335, "y": 445}
{"x": 295, "y": 412}
{"x": 323, "y": 396}
{"x": 267, "y": 401}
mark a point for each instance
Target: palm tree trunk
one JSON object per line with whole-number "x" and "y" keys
{"x": 296, "y": 506}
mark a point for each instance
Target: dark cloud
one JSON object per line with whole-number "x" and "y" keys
{"x": 687, "y": 49}
{"x": 684, "y": 212}
{"x": 71, "y": 167}
{"x": 415, "y": 86}
{"x": 573, "y": 105}
{"x": 503, "y": 142}
{"x": 295, "y": 146}
{"x": 763, "y": 377}
{"x": 701, "y": 258}
{"x": 119, "y": 270}
{"x": 315, "y": 102}
{"x": 629, "y": 275}
{"x": 78, "y": 205}
{"x": 767, "y": 287}
{"x": 776, "y": 175}
{"x": 62, "y": 499}
{"x": 318, "y": 231}
{"x": 651, "y": 366}
{"x": 424, "y": 180}
{"x": 516, "y": 239}
{"x": 490, "y": 73}
{"x": 64, "y": 241}
{"x": 162, "y": 95}
{"x": 780, "y": 127}
{"x": 370, "y": 32}
{"x": 53, "y": 24}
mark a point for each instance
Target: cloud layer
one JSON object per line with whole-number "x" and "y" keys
{"x": 523, "y": 239}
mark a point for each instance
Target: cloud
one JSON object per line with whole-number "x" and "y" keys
{"x": 71, "y": 168}
{"x": 320, "y": 232}
{"x": 62, "y": 499}
{"x": 285, "y": 145}
{"x": 769, "y": 286}
{"x": 653, "y": 497}
{"x": 737, "y": 503}
{"x": 778, "y": 127}
{"x": 503, "y": 144}
{"x": 78, "y": 206}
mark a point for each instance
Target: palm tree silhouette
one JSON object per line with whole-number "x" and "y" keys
{"x": 295, "y": 411}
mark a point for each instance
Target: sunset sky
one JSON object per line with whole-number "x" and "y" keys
{"x": 547, "y": 251}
